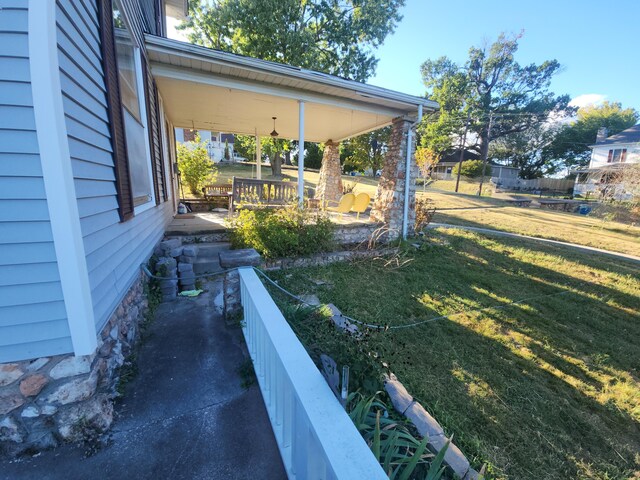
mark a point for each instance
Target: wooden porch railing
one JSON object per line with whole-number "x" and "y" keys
{"x": 262, "y": 192}
{"x": 316, "y": 437}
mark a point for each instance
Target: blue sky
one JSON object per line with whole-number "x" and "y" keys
{"x": 596, "y": 42}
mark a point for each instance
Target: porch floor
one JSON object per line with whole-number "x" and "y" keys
{"x": 184, "y": 416}
{"x": 200, "y": 223}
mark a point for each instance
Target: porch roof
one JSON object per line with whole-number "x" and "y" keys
{"x": 213, "y": 90}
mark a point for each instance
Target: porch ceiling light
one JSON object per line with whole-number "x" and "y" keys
{"x": 274, "y": 133}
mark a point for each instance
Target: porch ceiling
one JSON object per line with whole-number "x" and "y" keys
{"x": 218, "y": 91}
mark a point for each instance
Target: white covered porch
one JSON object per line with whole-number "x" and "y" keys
{"x": 207, "y": 89}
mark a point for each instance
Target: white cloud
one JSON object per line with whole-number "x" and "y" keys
{"x": 587, "y": 99}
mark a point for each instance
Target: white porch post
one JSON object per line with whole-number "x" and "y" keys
{"x": 407, "y": 178}
{"x": 301, "y": 153}
{"x": 258, "y": 158}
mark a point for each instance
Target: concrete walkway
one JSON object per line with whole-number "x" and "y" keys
{"x": 184, "y": 416}
{"x": 501, "y": 233}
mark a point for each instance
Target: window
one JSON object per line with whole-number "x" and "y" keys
{"x": 134, "y": 112}
{"x": 617, "y": 155}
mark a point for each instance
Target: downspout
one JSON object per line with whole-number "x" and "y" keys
{"x": 407, "y": 177}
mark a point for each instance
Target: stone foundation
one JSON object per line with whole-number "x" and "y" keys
{"x": 389, "y": 200}
{"x": 49, "y": 400}
{"x": 330, "y": 183}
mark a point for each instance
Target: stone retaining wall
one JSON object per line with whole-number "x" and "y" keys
{"x": 48, "y": 400}
{"x": 221, "y": 236}
{"x": 326, "y": 258}
{"x": 360, "y": 233}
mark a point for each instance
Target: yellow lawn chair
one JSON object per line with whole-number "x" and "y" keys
{"x": 345, "y": 204}
{"x": 360, "y": 204}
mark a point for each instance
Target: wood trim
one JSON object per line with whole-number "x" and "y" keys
{"x": 114, "y": 111}
{"x": 57, "y": 176}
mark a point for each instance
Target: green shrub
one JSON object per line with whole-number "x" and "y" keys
{"x": 196, "y": 168}
{"x": 471, "y": 169}
{"x": 286, "y": 232}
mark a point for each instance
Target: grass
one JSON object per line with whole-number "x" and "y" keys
{"x": 544, "y": 389}
{"x": 457, "y": 209}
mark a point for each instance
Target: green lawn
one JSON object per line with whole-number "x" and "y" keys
{"x": 458, "y": 209}
{"x": 545, "y": 389}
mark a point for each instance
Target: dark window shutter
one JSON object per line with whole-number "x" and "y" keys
{"x": 153, "y": 129}
{"x": 163, "y": 170}
{"x": 610, "y": 157}
{"x": 114, "y": 107}
{"x": 623, "y": 157}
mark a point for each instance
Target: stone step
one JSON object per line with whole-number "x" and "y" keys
{"x": 206, "y": 265}
{"x": 212, "y": 249}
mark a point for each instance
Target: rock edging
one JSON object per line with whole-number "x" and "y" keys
{"x": 428, "y": 427}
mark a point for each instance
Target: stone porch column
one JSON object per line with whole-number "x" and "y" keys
{"x": 330, "y": 183}
{"x": 389, "y": 201}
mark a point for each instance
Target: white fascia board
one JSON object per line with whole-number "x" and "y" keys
{"x": 196, "y": 52}
{"x": 191, "y": 75}
{"x": 58, "y": 175}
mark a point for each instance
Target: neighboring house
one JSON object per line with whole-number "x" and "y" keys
{"x": 91, "y": 93}
{"x": 216, "y": 143}
{"x": 609, "y": 155}
{"x": 500, "y": 174}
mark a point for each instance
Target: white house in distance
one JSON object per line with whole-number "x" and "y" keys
{"x": 608, "y": 156}
{"x": 216, "y": 142}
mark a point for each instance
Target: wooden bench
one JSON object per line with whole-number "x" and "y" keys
{"x": 212, "y": 192}
{"x": 267, "y": 193}
{"x": 519, "y": 202}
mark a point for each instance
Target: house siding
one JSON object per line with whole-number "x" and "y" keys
{"x": 600, "y": 155}
{"x": 114, "y": 250}
{"x": 33, "y": 320}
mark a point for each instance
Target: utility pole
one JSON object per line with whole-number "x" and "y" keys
{"x": 464, "y": 142}
{"x": 485, "y": 154}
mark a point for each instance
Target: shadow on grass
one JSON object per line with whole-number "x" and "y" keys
{"x": 544, "y": 389}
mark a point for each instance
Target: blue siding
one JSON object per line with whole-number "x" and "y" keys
{"x": 33, "y": 319}
{"x": 114, "y": 249}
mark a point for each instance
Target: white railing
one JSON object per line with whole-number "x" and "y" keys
{"x": 316, "y": 437}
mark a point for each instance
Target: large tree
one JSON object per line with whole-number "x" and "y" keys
{"x": 332, "y": 36}
{"x": 525, "y": 150}
{"x": 498, "y": 96}
{"x": 366, "y": 151}
{"x": 571, "y": 146}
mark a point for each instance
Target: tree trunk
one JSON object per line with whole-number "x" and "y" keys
{"x": 287, "y": 157}
{"x": 484, "y": 151}
{"x": 276, "y": 164}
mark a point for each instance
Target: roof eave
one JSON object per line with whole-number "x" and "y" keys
{"x": 364, "y": 90}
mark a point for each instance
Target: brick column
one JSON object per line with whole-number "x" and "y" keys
{"x": 330, "y": 183}
{"x": 389, "y": 200}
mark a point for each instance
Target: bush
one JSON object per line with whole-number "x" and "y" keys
{"x": 286, "y": 232}
{"x": 471, "y": 169}
{"x": 196, "y": 168}
{"x": 425, "y": 210}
